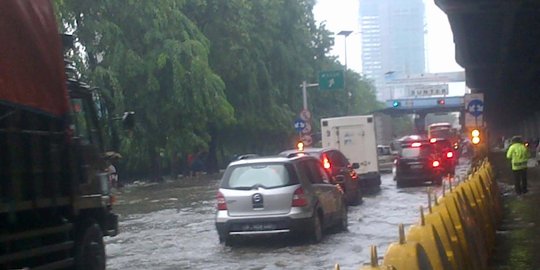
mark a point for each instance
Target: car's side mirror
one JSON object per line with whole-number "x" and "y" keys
{"x": 340, "y": 179}
{"x": 355, "y": 165}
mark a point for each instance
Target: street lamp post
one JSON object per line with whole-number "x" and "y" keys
{"x": 345, "y": 34}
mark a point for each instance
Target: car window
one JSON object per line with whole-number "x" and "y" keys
{"x": 413, "y": 152}
{"x": 383, "y": 150}
{"x": 313, "y": 171}
{"x": 263, "y": 175}
{"x": 339, "y": 159}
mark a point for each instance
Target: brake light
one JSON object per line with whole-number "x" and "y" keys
{"x": 436, "y": 164}
{"x": 221, "y": 203}
{"x": 326, "y": 162}
{"x": 416, "y": 144}
{"x": 432, "y": 140}
{"x": 450, "y": 155}
{"x": 299, "y": 198}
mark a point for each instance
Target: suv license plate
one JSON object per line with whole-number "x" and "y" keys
{"x": 417, "y": 166}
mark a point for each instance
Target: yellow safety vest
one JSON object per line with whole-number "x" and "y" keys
{"x": 519, "y": 155}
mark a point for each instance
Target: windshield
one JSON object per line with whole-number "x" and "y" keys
{"x": 259, "y": 175}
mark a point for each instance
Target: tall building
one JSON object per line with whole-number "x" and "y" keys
{"x": 392, "y": 41}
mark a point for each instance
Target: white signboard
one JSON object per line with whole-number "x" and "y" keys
{"x": 427, "y": 90}
{"x": 474, "y": 110}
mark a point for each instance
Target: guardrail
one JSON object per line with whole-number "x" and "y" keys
{"x": 457, "y": 232}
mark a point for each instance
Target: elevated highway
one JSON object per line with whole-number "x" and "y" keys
{"x": 497, "y": 42}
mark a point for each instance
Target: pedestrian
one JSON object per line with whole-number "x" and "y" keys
{"x": 190, "y": 158}
{"x": 518, "y": 155}
{"x": 113, "y": 175}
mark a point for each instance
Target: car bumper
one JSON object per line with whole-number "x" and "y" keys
{"x": 417, "y": 177}
{"x": 261, "y": 225}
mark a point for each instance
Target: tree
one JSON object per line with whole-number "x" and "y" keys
{"x": 149, "y": 57}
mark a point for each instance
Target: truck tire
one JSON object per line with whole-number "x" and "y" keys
{"x": 353, "y": 192}
{"x": 90, "y": 249}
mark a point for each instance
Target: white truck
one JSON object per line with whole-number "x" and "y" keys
{"x": 355, "y": 137}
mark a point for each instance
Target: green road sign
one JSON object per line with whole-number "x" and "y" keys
{"x": 331, "y": 80}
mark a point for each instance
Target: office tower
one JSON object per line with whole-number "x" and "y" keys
{"x": 392, "y": 41}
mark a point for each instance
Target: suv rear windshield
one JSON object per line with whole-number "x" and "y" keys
{"x": 414, "y": 152}
{"x": 250, "y": 176}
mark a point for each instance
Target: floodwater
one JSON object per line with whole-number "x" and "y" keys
{"x": 171, "y": 226}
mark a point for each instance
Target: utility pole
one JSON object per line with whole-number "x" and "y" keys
{"x": 345, "y": 34}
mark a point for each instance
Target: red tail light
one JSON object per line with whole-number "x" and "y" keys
{"x": 326, "y": 162}
{"x": 299, "y": 199}
{"x": 436, "y": 164}
{"x": 450, "y": 155}
{"x": 221, "y": 203}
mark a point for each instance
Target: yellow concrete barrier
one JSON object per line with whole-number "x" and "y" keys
{"x": 427, "y": 236}
{"x": 374, "y": 264}
{"x": 439, "y": 217}
{"x": 463, "y": 221}
{"x": 406, "y": 255}
{"x": 457, "y": 233}
{"x": 485, "y": 204}
{"x": 478, "y": 206}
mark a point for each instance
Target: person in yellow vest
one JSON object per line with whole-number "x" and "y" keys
{"x": 519, "y": 155}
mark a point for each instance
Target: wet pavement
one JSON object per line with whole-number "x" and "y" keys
{"x": 518, "y": 237}
{"x": 171, "y": 226}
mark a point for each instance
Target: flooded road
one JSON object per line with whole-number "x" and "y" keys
{"x": 171, "y": 226}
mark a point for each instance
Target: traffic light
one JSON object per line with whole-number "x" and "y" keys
{"x": 441, "y": 101}
{"x": 300, "y": 146}
{"x": 396, "y": 104}
{"x": 475, "y": 135}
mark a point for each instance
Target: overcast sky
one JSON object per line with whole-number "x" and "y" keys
{"x": 343, "y": 15}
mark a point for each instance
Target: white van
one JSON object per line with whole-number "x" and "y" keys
{"x": 355, "y": 137}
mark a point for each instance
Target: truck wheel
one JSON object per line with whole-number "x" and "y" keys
{"x": 353, "y": 193}
{"x": 90, "y": 249}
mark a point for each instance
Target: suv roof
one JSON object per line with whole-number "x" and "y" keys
{"x": 267, "y": 159}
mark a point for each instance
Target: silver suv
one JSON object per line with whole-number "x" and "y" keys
{"x": 277, "y": 195}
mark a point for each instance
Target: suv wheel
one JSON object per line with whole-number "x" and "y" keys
{"x": 344, "y": 222}
{"x": 316, "y": 232}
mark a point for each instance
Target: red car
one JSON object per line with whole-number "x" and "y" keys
{"x": 335, "y": 162}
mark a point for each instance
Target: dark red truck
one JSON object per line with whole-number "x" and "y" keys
{"x": 55, "y": 202}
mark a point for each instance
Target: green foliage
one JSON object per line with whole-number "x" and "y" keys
{"x": 208, "y": 74}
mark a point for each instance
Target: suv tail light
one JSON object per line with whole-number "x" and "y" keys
{"x": 299, "y": 199}
{"x": 450, "y": 154}
{"x": 326, "y": 162}
{"x": 221, "y": 203}
{"x": 436, "y": 164}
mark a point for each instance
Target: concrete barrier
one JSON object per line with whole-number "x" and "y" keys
{"x": 439, "y": 217}
{"x": 406, "y": 255}
{"x": 430, "y": 240}
{"x": 458, "y": 232}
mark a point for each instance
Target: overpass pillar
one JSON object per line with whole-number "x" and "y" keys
{"x": 420, "y": 123}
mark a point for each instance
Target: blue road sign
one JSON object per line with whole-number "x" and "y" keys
{"x": 299, "y": 125}
{"x": 475, "y": 107}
